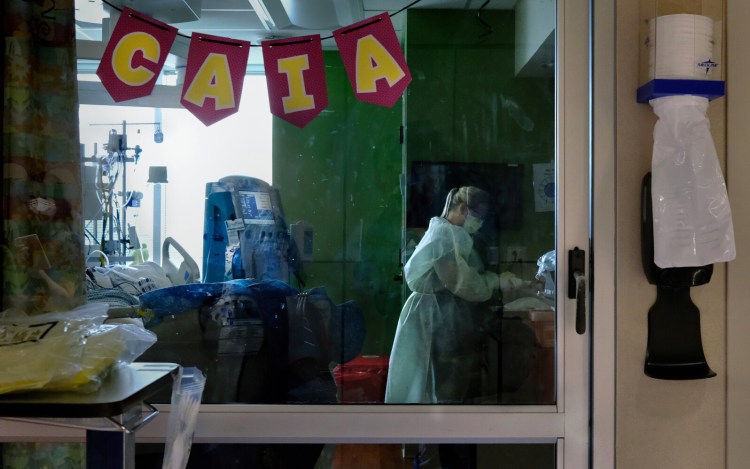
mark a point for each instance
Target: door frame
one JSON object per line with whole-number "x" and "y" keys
{"x": 581, "y": 424}
{"x": 738, "y": 270}
{"x": 603, "y": 246}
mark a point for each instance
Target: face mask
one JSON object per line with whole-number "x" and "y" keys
{"x": 472, "y": 223}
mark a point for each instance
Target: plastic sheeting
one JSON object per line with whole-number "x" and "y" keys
{"x": 692, "y": 217}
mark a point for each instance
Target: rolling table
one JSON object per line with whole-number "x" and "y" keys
{"x": 111, "y": 415}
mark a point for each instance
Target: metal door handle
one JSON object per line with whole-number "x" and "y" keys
{"x": 580, "y": 302}
{"x": 577, "y": 285}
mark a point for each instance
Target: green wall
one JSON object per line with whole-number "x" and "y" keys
{"x": 341, "y": 173}
{"x": 466, "y": 105}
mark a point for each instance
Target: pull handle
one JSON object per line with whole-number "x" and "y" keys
{"x": 580, "y": 302}
{"x": 577, "y": 285}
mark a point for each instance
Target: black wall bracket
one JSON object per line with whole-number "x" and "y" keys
{"x": 674, "y": 350}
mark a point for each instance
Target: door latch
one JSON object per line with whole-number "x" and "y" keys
{"x": 577, "y": 285}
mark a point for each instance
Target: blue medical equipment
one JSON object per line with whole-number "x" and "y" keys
{"x": 245, "y": 235}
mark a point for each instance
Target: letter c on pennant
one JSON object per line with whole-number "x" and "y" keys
{"x": 124, "y": 52}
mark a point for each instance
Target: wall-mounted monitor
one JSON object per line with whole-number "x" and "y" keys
{"x": 430, "y": 181}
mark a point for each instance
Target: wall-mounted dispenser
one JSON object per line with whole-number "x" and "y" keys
{"x": 686, "y": 223}
{"x": 674, "y": 349}
{"x": 680, "y": 49}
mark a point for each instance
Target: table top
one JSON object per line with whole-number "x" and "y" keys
{"x": 125, "y": 386}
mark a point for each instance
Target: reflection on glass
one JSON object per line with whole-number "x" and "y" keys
{"x": 350, "y": 456}
{"x": 305, "y": 291}
{"x": 257, "y": 341}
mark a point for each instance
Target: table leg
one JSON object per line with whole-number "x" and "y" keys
{"x": 110, "y": 450}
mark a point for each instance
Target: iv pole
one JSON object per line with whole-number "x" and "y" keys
{"x": 117, "y": 144}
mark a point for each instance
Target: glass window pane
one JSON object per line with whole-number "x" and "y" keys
{"x": 474, "y": 117}
{"x": 330, "y": 269}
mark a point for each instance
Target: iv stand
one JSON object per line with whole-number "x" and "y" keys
{"x": 118, "y": 145}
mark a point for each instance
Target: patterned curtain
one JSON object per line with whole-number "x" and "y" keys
{"x": 43, "y": 232}
{"x": 42, "y": 242}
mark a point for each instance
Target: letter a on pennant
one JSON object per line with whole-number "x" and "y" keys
{"x": 135, "y": 55}
{"x": 214, "y": 77}
{"x": 296, "y": 80}
{"x": 374, "y": 61}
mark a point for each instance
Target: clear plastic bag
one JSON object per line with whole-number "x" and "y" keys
{"x": 66, "y": 351}
{"x": 692, "y": 217}
{"x": 183, "y": 414}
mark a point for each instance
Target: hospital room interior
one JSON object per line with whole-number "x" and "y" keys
{"x": 335, "y": 208}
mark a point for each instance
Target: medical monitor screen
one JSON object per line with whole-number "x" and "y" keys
{"x": 429, "y": 183}
{"x": 256, "y": 207}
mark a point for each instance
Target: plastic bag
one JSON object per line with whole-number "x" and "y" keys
{"x": 692, "y": 218}
{"x": 186, "y": 401}
{"x": 66, "y": 351}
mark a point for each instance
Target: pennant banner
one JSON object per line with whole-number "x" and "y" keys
{"x": 295, "y": 75}
{"x": 216, "y": 66}
{"x": 135, "y": 55}
{"x": 214, "y": 76}
{"x": 373, "y": 59}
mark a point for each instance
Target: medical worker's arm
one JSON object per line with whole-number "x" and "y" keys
{"x": 456, "y": 274}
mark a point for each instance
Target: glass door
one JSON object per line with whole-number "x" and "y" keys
{"x": 499, "y": 101}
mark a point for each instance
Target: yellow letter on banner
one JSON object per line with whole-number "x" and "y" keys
{"x": 213, "y": 80}
{"x": 298, "y": 99}
{"x": 124, "y": 51}
{"x": 375, "y": 62}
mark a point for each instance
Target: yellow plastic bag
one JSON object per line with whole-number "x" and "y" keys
{"x": 67, "y": 351}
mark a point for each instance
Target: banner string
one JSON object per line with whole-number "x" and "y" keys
{"x": 226, "y": 42}
{"x": 144, "y": 18}
{"x": 290, "y": 43}
{"x": 355, "y": 28}
{"x": 106, "y": 2}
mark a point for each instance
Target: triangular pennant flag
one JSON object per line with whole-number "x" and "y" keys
{"x": 214, "y": 76}
{"x": 135, "y": 55}
{"x": 296, "y": 78}
{"x": 374, "y": 61}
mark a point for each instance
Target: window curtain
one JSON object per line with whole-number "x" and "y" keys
{"x": 43, "y": 261}
{"x": 42, "y": 243}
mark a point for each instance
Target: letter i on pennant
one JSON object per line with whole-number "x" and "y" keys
{"x": 296, "y": 80}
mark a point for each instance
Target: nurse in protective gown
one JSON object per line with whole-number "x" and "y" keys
{"x": 435, "y": 352}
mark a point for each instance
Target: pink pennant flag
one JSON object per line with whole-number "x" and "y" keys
{"x": 214, "y": 76}
{"x": 135, "y": 55}
{"x": 373, "y": 59}
{"x": 296, "y": 78}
